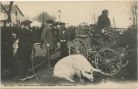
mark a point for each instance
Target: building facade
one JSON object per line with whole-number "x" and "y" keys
{"x": 16, "y": 14}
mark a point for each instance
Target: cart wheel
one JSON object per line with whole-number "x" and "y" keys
{"x": 108, "y": 61}
{"x": 78, "y": 46}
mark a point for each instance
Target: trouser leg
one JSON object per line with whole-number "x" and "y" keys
{"x": 63, "y": 49}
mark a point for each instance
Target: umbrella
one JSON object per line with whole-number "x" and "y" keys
{"x": 35, "y": 24}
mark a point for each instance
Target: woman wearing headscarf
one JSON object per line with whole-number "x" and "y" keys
{"x": 103, "y": 21}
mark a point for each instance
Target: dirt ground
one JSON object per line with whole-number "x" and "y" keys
{"x": 44, "y": 78}
{"x": 43, "y": 75}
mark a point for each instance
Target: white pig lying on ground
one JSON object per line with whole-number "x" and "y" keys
{"x": 72, "y": 65}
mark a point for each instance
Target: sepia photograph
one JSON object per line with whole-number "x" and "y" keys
{"x": 62, "y": 44}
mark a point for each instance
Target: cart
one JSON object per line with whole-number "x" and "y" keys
{"x": 100, "y": 51}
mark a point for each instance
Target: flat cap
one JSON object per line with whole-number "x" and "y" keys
{"x": 26, "y": 22}
{"x": 62, "y": 23}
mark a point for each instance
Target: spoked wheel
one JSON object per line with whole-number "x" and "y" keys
{"x": 108, "y": 61}
{"x": 78, "y": 46}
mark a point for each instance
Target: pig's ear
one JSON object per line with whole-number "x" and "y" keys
{"x": 96, "y": 70}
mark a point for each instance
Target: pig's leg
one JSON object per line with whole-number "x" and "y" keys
{"x": 68, "y": 75}
{"x": 80, "y": 77}
{"x": 71, "y": 80}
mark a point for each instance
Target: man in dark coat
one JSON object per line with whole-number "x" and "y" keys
{"x": 63, "y": 41}
{"x": 6, "y": 46}
{"x": 48, "y": 38}
{"x": 103, "y": 21}
{"x": 24, "y": 51}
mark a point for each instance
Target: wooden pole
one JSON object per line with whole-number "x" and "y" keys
{"x": 94, "y": 18}
{"x": 49, "y": 57}
{"x": 114, "y": 22}
{"x": 43, "y": 17}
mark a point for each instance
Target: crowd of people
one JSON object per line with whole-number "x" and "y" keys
{"x": 49, "y": 34}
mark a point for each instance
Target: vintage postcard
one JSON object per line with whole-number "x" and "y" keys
{"x": 69, "y": 44}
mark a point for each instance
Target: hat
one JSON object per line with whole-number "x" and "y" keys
{"x": 62, "y": 23}
{"x": 105, "y": 11}
{"x": 50, "y": 21}
{"x": 55, "y": 24}
{"x": 26, "y": 22}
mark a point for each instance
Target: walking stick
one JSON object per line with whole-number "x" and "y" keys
{"x": 49, "y": 56}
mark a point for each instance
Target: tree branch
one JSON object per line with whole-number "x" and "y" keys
{"x": 9, "y": 10}
{"x": 4, "y": 8}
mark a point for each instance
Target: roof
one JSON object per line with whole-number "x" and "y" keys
{"x": 19, "y": 10}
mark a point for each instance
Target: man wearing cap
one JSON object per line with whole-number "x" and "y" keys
{"x": 24, "y": 51}
{"x": 48, "y": 35}
{"x": 48, "y": 38}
